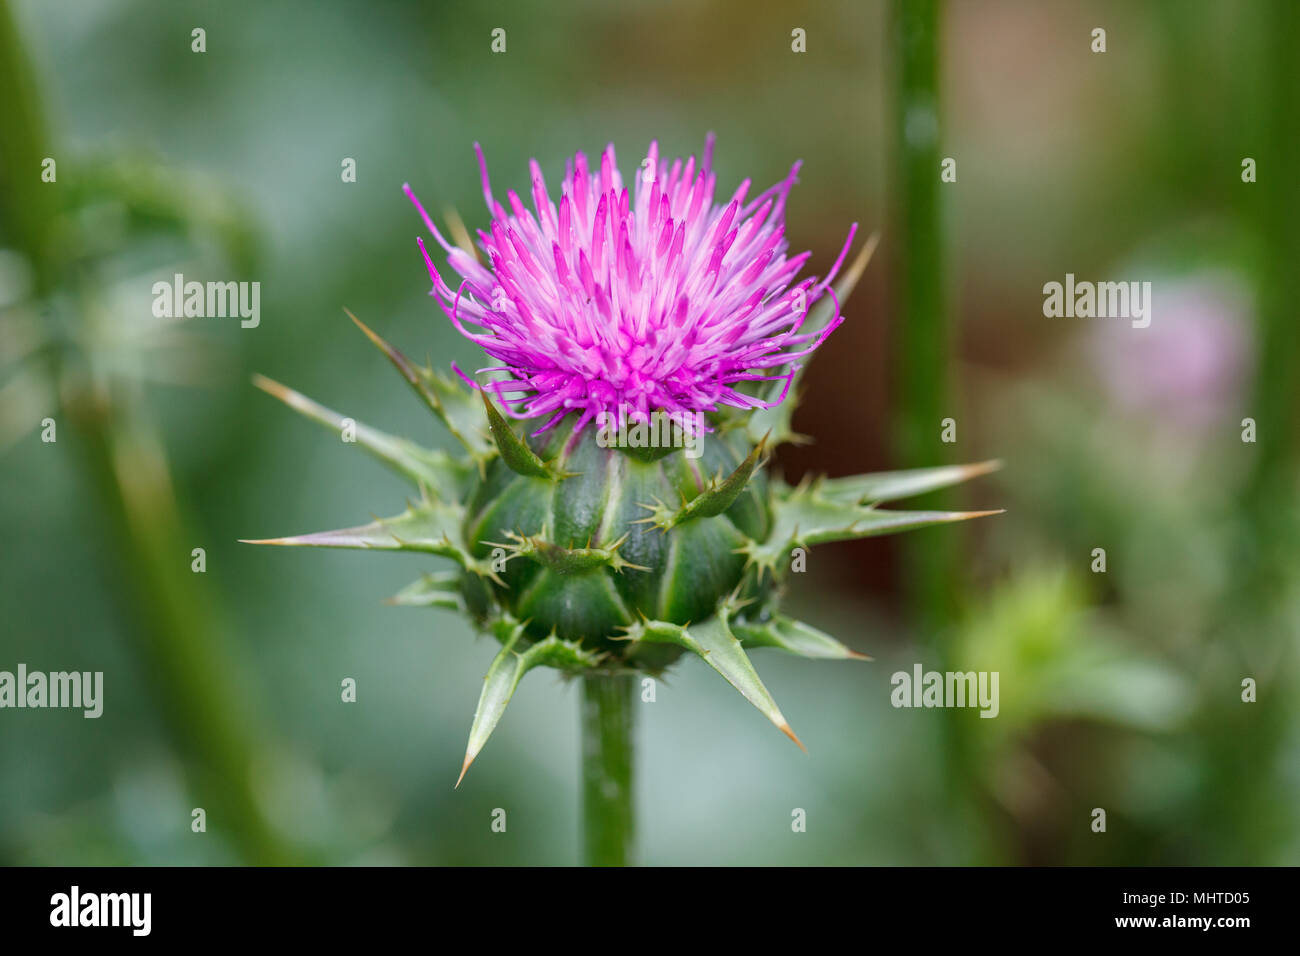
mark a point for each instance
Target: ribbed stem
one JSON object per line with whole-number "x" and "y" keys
{"x": 924, "y": 397}
{"x": 607, "y": 754}
{"x": 923, "y": 336}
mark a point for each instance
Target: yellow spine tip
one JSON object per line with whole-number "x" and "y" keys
{"x": 469, "y": 759}
{"x": 785, "y": 729}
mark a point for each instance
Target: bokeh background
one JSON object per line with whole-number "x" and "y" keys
{"x": 1120, "y": 690}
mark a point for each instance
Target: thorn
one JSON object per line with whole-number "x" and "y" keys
{"x": 867, "y": 251}
{"x": 397, "y": 358}
{"x": 469, "y": 759}
{"x": 361, "y": 325}
{"x": 975, "y": 469}
{"x": 272, "y": 387}
{"x": 854, "y": 655}
{"x": 456, "y": 226}
{"x": 785, "y": 729}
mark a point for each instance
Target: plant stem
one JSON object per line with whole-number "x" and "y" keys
{"x": 921, "y": 389}
{"x": 1256, "y": 621}
{"x": 607, "y": 756}
{"x": 181, "y": 645}
{"x": 932, "y": 567}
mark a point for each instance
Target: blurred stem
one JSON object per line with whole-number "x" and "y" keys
{"x": 179, "y": 644}
{"x": 607, "y": 769}
{"x": 922, "y": 346}
{"x": 26, "y": 202}
{"x": 922, "y": 398}
{"x": 1276, "y": 406}
{"x": 198, "y": 689}
{"x": 1246, "y": 807}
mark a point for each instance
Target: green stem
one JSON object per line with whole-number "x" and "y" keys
{"x": 607, "y": 759}
{"x": 181, "y": 646}
{"x": 932, "y": 566}
{"x": 26, "y": 203}
{"x": 1247, "y": 745}
{"x": 921, "y": 390}
{"x": 177, "y": 633}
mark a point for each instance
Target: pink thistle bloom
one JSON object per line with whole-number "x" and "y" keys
{"x": 625, "y": 304}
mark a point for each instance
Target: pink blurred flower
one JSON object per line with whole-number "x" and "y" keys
{"x": 1188, "y": 368}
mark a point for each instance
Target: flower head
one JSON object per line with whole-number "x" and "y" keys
{"x": 610, "y": 558}
{"x": 618, "y": 304}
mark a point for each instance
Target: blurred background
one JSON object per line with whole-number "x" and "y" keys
{"x": 1120, "y": 689}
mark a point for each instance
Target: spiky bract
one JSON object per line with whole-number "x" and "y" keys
{"x": 582, "y": 554}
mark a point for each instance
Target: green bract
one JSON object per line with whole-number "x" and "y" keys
{"x": 588, "y": 558}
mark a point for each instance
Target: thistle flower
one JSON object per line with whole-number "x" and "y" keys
{"x": 626, "y": 302}
{"x": 610, "y": 551}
